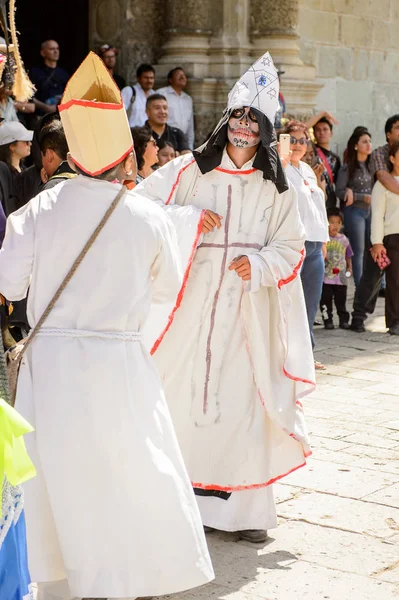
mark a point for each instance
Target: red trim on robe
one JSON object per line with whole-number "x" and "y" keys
{"x": 90, "y": 104}
{"x": 176, "y": 183}
{"x": 241, "y": 488}
{"x": 185, "y": 280}
{"x": 248, "y": 172}
{"x": 294, "y": 272}
{"x": 103, "y": 169}
{"x": 313, "y": 383}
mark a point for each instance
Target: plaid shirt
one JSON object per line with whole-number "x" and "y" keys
{"x": 379, "y": 160}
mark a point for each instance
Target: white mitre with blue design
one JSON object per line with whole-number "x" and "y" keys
{"x": 258, "y": 87}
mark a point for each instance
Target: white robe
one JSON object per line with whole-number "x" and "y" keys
{"x": 235, "y": 358}
{"x": 112, "y": 509}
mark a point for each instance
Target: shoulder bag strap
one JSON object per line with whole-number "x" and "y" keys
{"x": 326, "y": 164}
{"x": 73, "y": 269}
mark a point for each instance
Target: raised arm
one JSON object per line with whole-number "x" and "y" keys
{"x": 378, "y": 208}
{"x": 388, "y": 181}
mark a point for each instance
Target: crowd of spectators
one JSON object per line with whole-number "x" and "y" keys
{"x": 335, "y": 193}
{"x": 350, "y": 211}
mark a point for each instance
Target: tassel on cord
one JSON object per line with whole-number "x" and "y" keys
{"x": 6, "y": 69}
{"x": 23, "y": 89}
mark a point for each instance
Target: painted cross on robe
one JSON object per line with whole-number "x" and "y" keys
{"x": 225, "y": 247}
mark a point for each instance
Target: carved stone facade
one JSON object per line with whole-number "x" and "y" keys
{"x": 214, "y": 41}
{"x": 355, "y": 48}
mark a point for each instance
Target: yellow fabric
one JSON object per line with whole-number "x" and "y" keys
{"x": 15, "y": 463}
{"x": 97, "y": 130}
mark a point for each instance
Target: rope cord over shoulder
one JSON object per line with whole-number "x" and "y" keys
{"x": 74, "y": 268}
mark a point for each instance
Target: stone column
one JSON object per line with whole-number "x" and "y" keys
{"x": 188, "y": 25}
{"x": 133, "y": 26}
{"x": 274, "y": 28}
{"x": 230, "y": 48}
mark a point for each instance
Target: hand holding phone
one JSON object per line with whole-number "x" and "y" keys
{"x": 285, "y": 144}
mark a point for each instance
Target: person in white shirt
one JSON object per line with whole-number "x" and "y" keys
{"x": 385, "y": 240}
{"x": 312, "y": 209}
{"x": 135, "y": 96}
{"x": 181, "y": 114}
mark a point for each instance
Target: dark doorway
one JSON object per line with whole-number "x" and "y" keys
{"x": 65, "y": 22}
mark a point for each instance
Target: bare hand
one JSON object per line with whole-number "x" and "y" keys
{"x": 367, "y": 199}
{"x": 324, "y": 250}
{"x": 377, "y": 251}
{"x": 285, "y": 159}
{"x": 348, "y": 199}
{"x": 211, "y": 220}
{"x": 26, "y": 107}
{"x": 318, "y": 171}
{"x": 242, "y": 267}
{"x": 330, "y": 117}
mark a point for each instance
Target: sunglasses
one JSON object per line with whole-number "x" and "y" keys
{"x": 302, "y": 141}
{"x": 239, "y": 112}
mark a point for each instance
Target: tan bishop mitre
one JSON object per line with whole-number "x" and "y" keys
{"x": 94, "y": 118}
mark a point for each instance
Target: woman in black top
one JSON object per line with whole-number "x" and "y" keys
{"x": 15, "y": 146}
{"x": 354, "y": 185}
{"x": 146, "y": 152}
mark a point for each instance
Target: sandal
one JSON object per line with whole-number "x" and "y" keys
{"x": 319, "y": 366}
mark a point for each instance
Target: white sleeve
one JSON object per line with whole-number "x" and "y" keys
{"x": 166, "y": 271}
{"x": 127, "y": 94}
{"x": 164, "y": 187}
{"x": 279, "y": 262}
{"x": 378, "y": 208}
{"x": 17, "y": 253}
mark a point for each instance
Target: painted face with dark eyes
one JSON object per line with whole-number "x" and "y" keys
{"x": 243, "y": 128}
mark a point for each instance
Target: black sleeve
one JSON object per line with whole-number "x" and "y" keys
{"x": 337, "y": 166}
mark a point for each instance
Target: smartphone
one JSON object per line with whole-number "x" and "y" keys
{"x": 285, "y": 144}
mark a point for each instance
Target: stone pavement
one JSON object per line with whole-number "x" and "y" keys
{"x": 338, "y": 533}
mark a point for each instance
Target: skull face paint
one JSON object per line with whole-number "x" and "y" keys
{"x": 243, "y": 128}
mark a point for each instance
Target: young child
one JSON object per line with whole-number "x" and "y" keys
{"x": 338, "y": 268}
{"x": 385, "y": 239}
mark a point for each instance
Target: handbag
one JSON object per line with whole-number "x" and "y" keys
{"x": 383, "y": 262}
{"x": 15, "y": 354}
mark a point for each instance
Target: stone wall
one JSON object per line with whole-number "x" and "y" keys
{"x": 136, "y": 27}
{"x": 355, "y": 47}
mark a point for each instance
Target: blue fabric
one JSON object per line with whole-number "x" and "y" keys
{"x": 14, "y": 573}
{"x": 312, "y": 275}
{"x": 357, "y": 228}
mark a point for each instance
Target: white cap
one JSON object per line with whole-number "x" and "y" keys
{"x": 12, "y": 131}
{"x": 258, "y": 87}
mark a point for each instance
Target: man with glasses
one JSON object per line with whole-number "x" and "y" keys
{"x": 108, "y": 54}
{"x": 234, "y": 351}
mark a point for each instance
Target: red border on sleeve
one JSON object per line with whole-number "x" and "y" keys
{"x": 184, "y": 284}
{"x": 294, "y": 272}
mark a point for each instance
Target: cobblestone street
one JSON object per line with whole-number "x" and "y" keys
{"x": 338, "y": 534}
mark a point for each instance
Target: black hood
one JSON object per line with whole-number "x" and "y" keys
{"x": 267, "y": 160}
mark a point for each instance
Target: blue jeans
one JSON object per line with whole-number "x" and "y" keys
{"x": 312, "y": 275}
{"x": 357, "y": 228}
